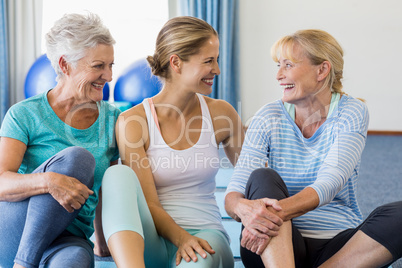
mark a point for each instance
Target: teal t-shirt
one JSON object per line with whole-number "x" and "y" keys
{"x": 34, "y": 122}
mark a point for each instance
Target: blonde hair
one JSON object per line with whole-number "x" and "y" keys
{"x": 183, "y": 36}
{"x": 318, "y": 46}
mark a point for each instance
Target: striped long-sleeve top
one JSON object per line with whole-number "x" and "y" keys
{"x": 328, "y": 162}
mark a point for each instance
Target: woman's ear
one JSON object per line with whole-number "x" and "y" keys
{"x": 324, "y": 70}
{"x": 175, "y": 63}
{"x": 64, "y": 66}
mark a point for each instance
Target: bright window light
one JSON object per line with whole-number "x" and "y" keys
{"x": 134, "y": 25}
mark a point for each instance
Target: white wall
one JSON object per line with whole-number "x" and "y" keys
{"x": 369, "y": 31}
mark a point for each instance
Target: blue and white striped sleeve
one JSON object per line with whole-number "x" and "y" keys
{"x": 253, "y": 154}
{"x": 345, "y": 154}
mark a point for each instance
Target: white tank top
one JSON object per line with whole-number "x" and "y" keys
{"x": 185, "y": 179}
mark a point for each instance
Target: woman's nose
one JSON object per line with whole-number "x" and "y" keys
{"x": 107, "y": 74}
{"x": 279, "y": 75}
{"x": 216, "y": 69}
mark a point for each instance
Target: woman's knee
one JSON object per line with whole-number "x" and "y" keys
{"x": 223, "y": 256}
{"x": 78, "y": 156}
{"x": 119, "y": 178}
{"x": 265, "y": 182}
{"x": 211, "y": 261}
{"x": 82, "y": 162}
{"x": 75, "y": 162}
{"x": 390, "y": 210}
{"x": 201, "y": 262}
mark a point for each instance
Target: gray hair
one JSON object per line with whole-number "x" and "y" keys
{"x": 71, "y": 37}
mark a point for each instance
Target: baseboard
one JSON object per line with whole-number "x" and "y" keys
{"x": 384, "y": 132}
{"x": 371, "y": 132}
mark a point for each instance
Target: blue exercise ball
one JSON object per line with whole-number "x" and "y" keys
{"x": 136, "y": 83}
{"x": 106, "y": 92}
{"x": 42, "y": 77}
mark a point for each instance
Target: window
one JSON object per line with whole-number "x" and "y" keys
{"x": 134, "y": 25}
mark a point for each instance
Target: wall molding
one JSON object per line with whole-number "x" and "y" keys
{"x": 369, "y": 132}
{"x": 384, "y": 132}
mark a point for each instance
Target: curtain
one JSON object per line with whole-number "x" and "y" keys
{"x": 24, "y": 26}
{"x": 4, "y": 82}
{"x": 223, "y": 16}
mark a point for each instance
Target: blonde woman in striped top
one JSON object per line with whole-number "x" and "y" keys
{"x": 302, "y": 210}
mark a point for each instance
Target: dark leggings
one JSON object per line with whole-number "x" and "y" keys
{"x": 34, "y": 229}
{"x": 383, "y": 225}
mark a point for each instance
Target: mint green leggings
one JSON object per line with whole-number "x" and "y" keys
{"x": 124, "y": 209}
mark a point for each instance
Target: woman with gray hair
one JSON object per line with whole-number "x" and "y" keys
{"x": 54, "y": 150}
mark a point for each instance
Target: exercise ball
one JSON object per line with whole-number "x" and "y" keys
{"x": 136, "y": 83}
{"x": 106, "y": 92}
{"x": 42, "y": 77}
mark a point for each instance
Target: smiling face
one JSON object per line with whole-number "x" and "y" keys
{"x": 92, "y": 72}
{"x": 300, "y": 80}
{"x": 199, "y": 71}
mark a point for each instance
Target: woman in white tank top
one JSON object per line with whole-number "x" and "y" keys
{"x": 171, "y": 143}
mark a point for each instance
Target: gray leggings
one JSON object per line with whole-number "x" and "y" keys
{"x": 383, "y": 225}
{"x": 32, "y": 231}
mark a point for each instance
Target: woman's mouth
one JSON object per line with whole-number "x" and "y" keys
{"x": 208, "y": 81}
{"x": 98, "y": 86}
{"x": 288, "y": 86}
